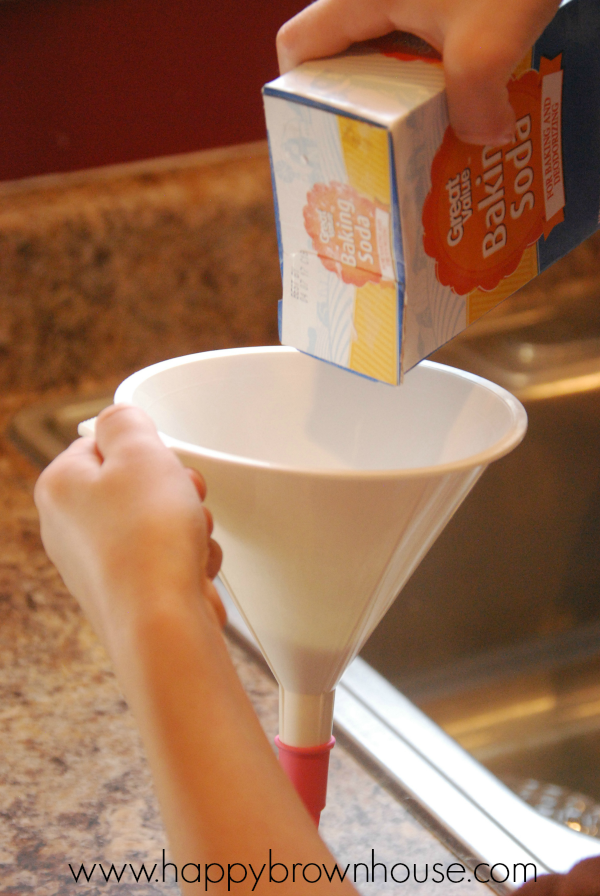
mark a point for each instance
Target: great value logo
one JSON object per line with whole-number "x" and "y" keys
{"x": 488, "y": 204}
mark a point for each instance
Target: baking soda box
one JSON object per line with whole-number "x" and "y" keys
{"x": 394, "y": 235}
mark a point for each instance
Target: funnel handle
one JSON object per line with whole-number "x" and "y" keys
{"x": 307, "y": 769}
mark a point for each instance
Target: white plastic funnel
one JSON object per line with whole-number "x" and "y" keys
{"x": 327, "y": 490}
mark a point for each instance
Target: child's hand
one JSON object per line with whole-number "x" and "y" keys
{"x": 481, "y": 42}
{"x": 124, "y": 522}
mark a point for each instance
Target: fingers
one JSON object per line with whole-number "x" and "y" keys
{"x": 121, "y": 429}
{"x": 215, "y": 558}
{"x": 198, "y": 482}
{"x": 478, "y": 104}
{"x": 215, "y": 554}
{"x": 327, "y": 27}
{"x": 483, "y": 45}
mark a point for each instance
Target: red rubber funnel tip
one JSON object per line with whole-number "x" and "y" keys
{"x": 307, "y": 768}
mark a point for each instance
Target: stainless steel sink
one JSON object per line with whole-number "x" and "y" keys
{"x": 497, "y": 635}
{"x": 45, "y": 429}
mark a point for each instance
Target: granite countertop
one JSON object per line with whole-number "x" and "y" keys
{"x": 107, "y": 271}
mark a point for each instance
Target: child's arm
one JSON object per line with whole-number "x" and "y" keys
{"x": 125, "y": 525}
{"x": 481, "y": 42}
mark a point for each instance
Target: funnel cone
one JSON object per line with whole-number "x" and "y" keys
{"x": 327, "y": 490}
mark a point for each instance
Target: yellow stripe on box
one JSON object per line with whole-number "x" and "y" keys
{"x": 366, "y": 154}
{"x": 479, "y": 302}
{"x": 374, "y": 350}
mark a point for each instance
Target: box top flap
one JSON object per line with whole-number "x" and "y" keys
{"x": 363, "y": 83}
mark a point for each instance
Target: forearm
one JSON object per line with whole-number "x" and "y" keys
{"x": 223, "y": 796}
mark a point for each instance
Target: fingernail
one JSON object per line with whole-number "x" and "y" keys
{"x": 507, "y": 137}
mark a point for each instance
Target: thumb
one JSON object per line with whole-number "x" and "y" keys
{"x": 122, "y": 429}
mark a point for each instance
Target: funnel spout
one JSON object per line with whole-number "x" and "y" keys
{"x": 307, "y": 768}
{"x": 305, "y": 720}
{"x": 304, "y": 744}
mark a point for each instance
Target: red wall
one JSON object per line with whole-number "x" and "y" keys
{"x": 94, "y": 82}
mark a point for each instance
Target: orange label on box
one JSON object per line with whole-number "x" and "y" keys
{"x": 350, "y": 233}
{"x": 488, "y": 204}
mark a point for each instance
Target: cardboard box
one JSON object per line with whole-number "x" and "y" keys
{"x": 394, "y": 236}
